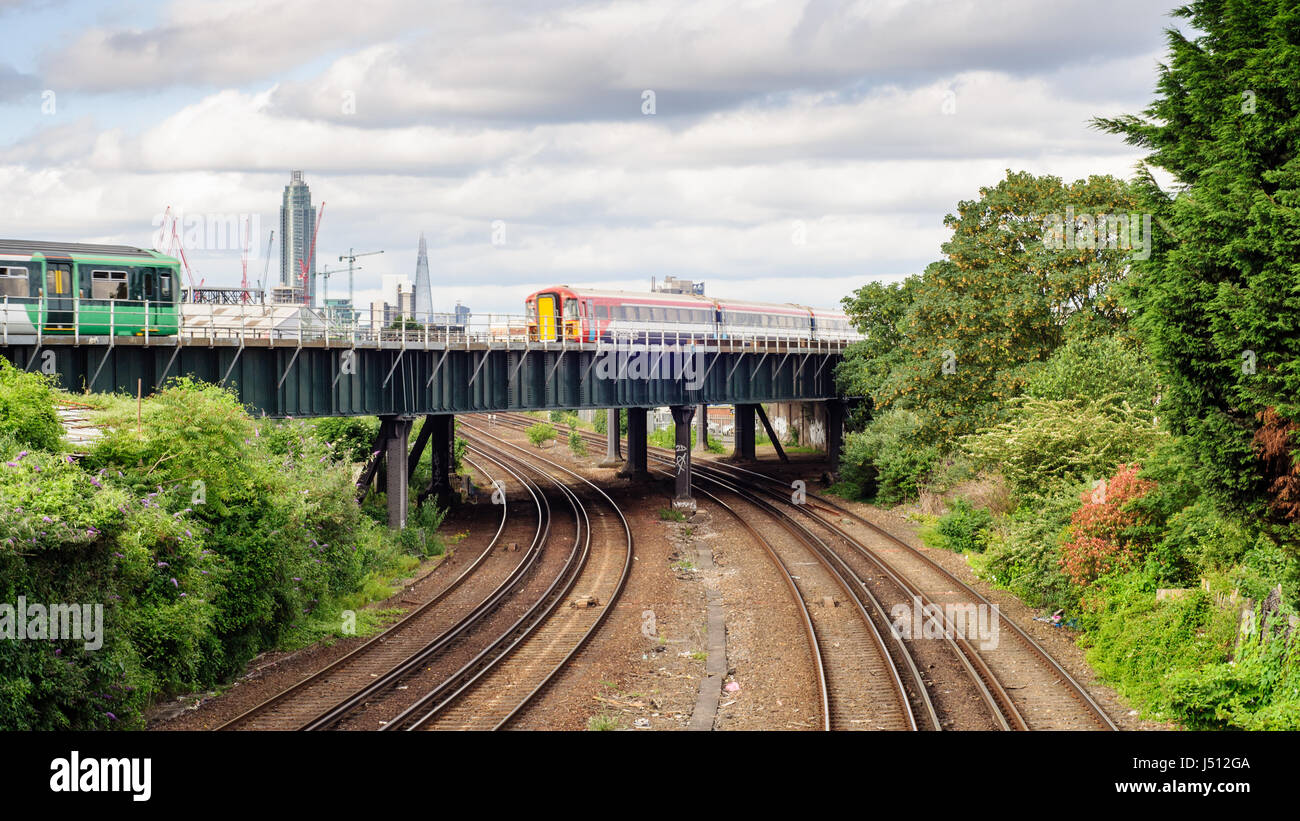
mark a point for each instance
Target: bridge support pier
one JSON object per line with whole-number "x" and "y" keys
{"x": 682, "y": 499}
{"x": 744, "y": 434}
{"x": 771, "y": 434}
{"x": 613, "y": 443}
{"x": 396, "y": 480}
{"x": 635, "y": 467}
{"x": 834, "y": 432}
{"x": 702, "y": 432}
{"x": 442, "y": 459}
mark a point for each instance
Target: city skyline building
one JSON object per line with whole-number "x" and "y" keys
{"x": 297, "y": 222}
{"x": 423, "y": 289}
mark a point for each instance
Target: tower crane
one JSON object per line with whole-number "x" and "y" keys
{"x": 311, "y": 257}
{"x": 325, "y": 274}
{"x": 350, "y": 258}
{"x": 266, "y": 267}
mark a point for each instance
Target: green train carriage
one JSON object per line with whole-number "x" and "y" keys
{"x": 97, "y": 290}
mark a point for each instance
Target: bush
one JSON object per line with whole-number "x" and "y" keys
{"x": 962, "y": 529}
{"x": 351, "y": 437}
{"x": 886, "y": 461}
{"x": 1093, "y": 367}
{"x": 540, "y": 433}
{"x": 27, "y": 413}
{"x": 1023, "y": 551}
{"x": 206, "y": 536}
{"x": 1102, "y": 531}
{"x": 1147, "y": 649}
{"x": 577, "y": 444}
{"x": 1051, "y": 443}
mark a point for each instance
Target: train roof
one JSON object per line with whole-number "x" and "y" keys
{"x": 627, "y": 295}
{"x": 28, "y": 248}
{"x": 653, "y": 296}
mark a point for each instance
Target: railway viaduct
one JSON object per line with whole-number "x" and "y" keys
{"x": 399, "y": 376}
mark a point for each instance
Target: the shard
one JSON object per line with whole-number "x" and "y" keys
{"x": 423, "y": 291}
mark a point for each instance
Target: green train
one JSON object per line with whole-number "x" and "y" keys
{"x": 64, "y": 288}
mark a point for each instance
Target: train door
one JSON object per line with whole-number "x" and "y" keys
{"x": 149, "y": 293}
{"x": 572, "y": 323}
{"x": 546, "y": 317}
{"x": 592, "y": 331}
{"x": 60, "y": 298}
{"x": 164, "y": 319}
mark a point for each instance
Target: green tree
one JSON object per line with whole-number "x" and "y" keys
{"x": 1219, "y": 298}
{"x": 952, "y": 345}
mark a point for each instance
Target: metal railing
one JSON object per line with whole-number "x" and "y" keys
{"x": 210, "y": 323}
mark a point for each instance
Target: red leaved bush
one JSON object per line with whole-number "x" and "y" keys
{"x": 1098, "y": 543}
{"x": 1274, "y": 442}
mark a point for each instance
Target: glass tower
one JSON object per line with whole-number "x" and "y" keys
{"x": 297, "y": 221}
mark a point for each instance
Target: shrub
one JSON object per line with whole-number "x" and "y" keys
{"x": 962, "y": 529}
{"x": 1023, "y": 551}
{"x": 1051, "y": 443}
{"x": 886, "y": 461}
{"x": 1101, "y": 539}
{"x": 540, "y": 433}
{"x": 27, "y": 413}
{"x": 577, "y": 444}
{"x": 352, "y": 437}
{"x": 1146, "y": 647}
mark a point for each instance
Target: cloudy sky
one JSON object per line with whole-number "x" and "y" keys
{"x": 786, "y": 150}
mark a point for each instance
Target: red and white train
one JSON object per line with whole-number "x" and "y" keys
{"x": 590, "y": 315}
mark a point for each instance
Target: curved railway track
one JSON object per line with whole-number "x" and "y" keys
{"x": 494, "y": 688}
{"x": 323, "y": 698}
{"x": 1009, "y": 664}
{"x": 1015, "y": 681}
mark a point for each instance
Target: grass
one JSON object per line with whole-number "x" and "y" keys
{"x": 699, "y": 655}
{"x": 602, "y": 722}
{"x": 669, "y": 515}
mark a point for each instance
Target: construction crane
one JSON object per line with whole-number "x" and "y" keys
{"x": 243, "y": 260}
{"x": 266, "y": 267}
{"x": 311, "y": 256}
{"x": 174, "y": 245}
{"x": 350, "y": 258}
{"x": 325, "y": 274}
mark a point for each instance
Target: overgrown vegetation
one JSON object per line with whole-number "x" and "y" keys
{"x": 206, "y": 536}
{"x": 1139, "y": 400}
{"x": 540, "y": 433}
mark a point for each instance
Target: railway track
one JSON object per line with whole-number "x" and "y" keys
{"x": 1026, "y": 674}
{"x": 494, "y": 688}
{"x": 1016, "y": 681}
{"x": 322, "y": 699}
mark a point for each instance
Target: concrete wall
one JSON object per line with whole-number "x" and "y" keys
{"x": 808, "y": 418}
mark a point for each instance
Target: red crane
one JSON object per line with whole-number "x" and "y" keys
{"x": 311, "y": 256}
{"x": 244, "y": 259}
{"x": 176, "y": 245}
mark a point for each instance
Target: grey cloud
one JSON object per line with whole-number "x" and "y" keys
{"x": 14, "y": 85}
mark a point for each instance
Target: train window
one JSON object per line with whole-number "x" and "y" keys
{"x": 602, "y": 312}
{"x": 108, "y": 284}
{"x": 13, "y": 282}
{"x": 165, "y": 283}
{"x": 146, "y": 282}
{"x": 570, "y": 308}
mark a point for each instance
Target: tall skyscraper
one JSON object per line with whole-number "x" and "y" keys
{"x": 297, "y": 222}
{"x": 423, "y": 289}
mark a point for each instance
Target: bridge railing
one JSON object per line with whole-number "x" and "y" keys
{"x": 246, "y": 321}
